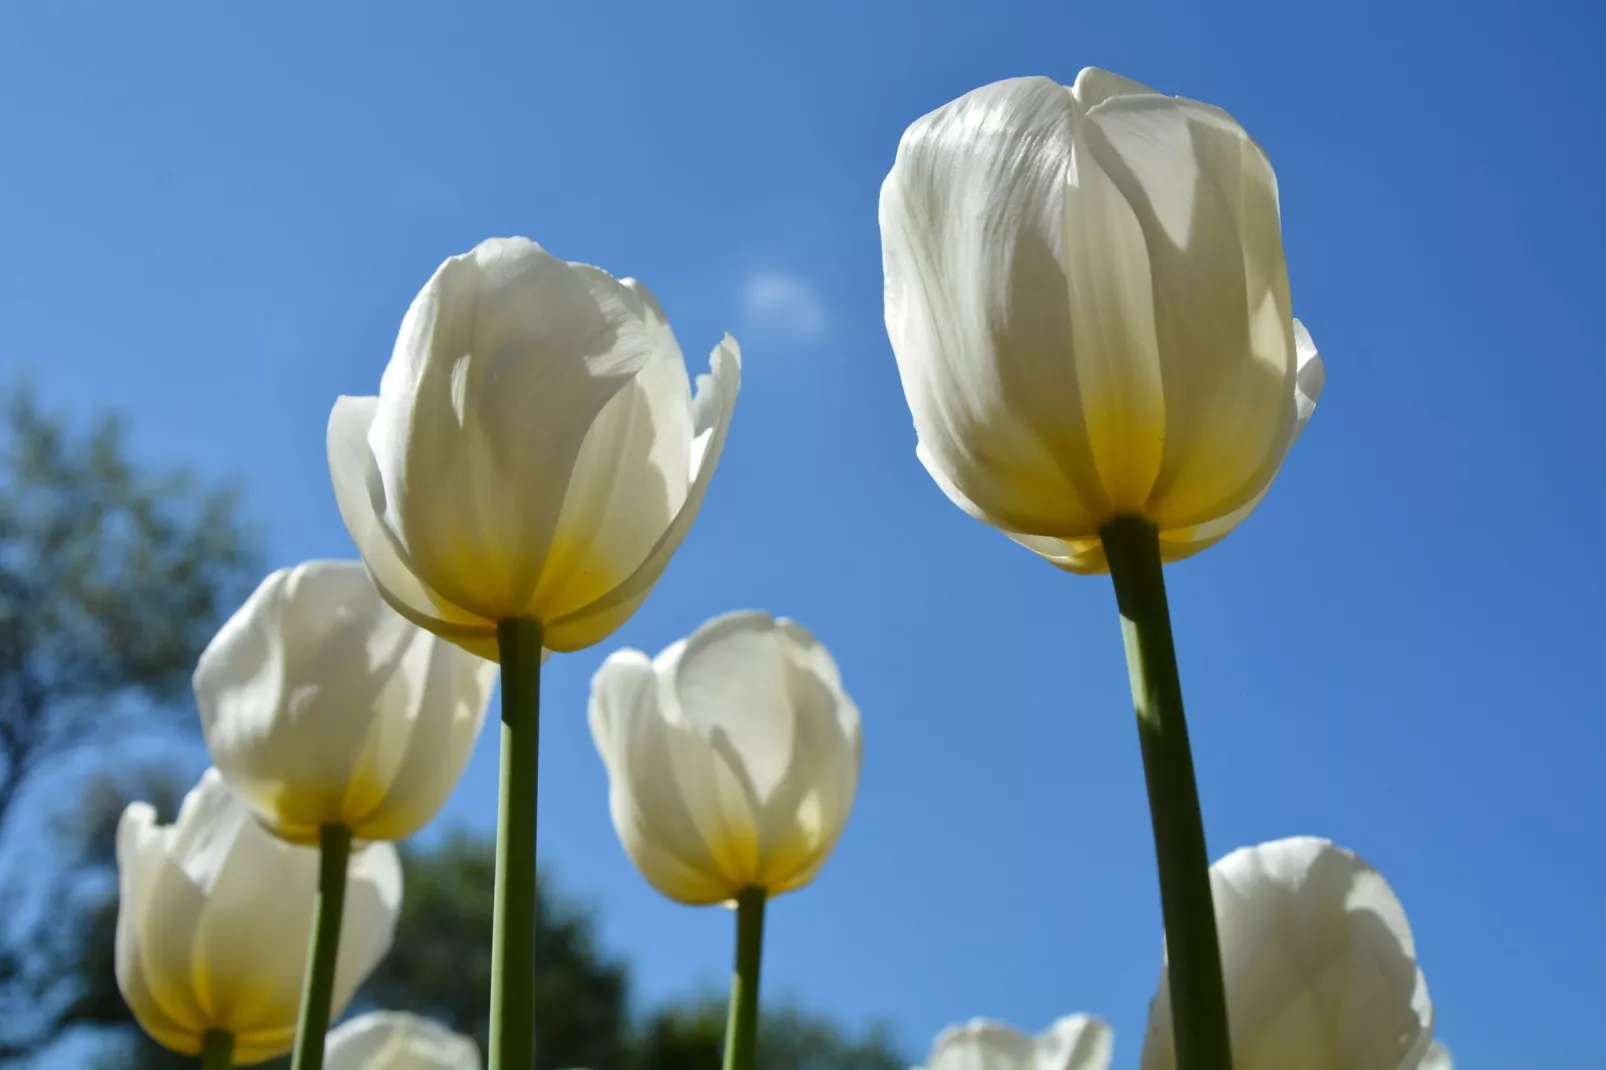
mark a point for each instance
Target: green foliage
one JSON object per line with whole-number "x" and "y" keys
{"x": 112, "y": 580}
{"x": 690, "y": 1036}
{"x": 440, "y": 964}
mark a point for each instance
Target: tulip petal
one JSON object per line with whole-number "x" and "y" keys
{"x": 982, "y": 1045}
{"x": 653, "y": 824}
{"x": 412, "y": 763}
{"x": 214, "y": 919}
{"x": 251, "y": 937}
{"x": 321, "y": 706}
{"x": 356, "y": 482}
{"x": 978, "y": 309}
{"x": 373, "y": 905}
{"x": 501, "y": 367}
{"x": 1319, "y": 965}
{"x": 1087, "y": 556}
{"x": 801, "y": 822}
{"x": 1114, "y": 350}
{"x": 1309, "y": 379}
{"x": 1205, "y": 198}
{"x": 286, "y": 690}
{"x": 729, "y": 687}
{"x": 712, "y": 408}
{"x": 141, "y": 856}
{"x": 1094, "y": 86}
{"x": 193, "y": 853}
{"x": 629, "y": 480}
{"x": 1076, "y": 1042}
{"x": 733, "y": 757}
{"x": 391, "y": 1040}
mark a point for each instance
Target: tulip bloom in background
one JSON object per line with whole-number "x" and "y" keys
{"x": 1321, "y": 971}
{"x": 391, "y": 1040}
{"x": 1075, "y": 1042}
{"x": 1087, "y": 298}
{"x": 334, "y": 718}
{"x": 534, "y": 458}
{"x": 733, "y": 759}
{"x": 212, "y": 926}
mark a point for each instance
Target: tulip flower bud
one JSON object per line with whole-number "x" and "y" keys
{"x": 1318, "y": 961}
{"x": 1076, "y": 1042}
{"x": 1087, "y": 299}
{"x": 391, "y": 1040}
{"x": 733, "y": 757}
{"x": 535, "y": 451}
{"x": 213, "y": 918}
{"x": 323, "y": 706}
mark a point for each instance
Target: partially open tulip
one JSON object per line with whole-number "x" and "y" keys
{"x": 1319, "y": 965}
{"x": 535, "y": 451}
{"x": 391, "y": 1040}
{"x": 322, "y": 706}
{"x": 733, "y": 757}
{"x": 1076, "y": 1042}
{"x": 213, "y": 918}
{"x": 1087, "y": 298}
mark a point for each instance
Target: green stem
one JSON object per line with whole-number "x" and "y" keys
{"x": 741, "y": 1029}
{"x": 217, "y": 1052}
{"x": 513, "y": 931}
{"x": 1198, "y": 996}
{"x": 334, "y": 851}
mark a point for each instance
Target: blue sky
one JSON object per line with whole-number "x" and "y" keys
{"x": 214, "y": 216}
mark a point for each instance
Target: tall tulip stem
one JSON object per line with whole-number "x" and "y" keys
{"x": 513, "y": 932}
{"x": 334, "y": 852}
{"x": 217, "y": 1052}
{"x": 1198, "y": 996}
{"x": 741, "y": 1029}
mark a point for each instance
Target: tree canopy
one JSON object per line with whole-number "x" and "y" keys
{"x": 112, "y": 580}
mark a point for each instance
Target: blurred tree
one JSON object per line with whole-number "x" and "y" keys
{"x": 440, "y": 964}
{"x": 689, "y": 1037}
{"x": 71, "y": 983}
{"x": 112, "y": 579}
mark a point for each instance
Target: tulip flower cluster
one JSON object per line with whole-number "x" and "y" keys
{"x": 1088, "y": 303}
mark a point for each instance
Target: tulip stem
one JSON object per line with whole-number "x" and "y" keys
{"x": 334, "y": 851}
{"x": 741, "y": 1029}
{"x": 217, "y": 1052}
{"x": 513, "y": 928}
{"x": 1198, "y": 996}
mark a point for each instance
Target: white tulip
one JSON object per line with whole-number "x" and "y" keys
{"x": 329, "y": 713}
{"x": 1087, "y": 298}
{"x": 391, "y": 1040}
{"x": 1076, "y": 1042}
{"x": 733, "y": 757}
{"x": 1319, "y": 965}
{"x": 322, "y": 706}
{"x": 535, "y": 451}
{"x": 213, "y": 919}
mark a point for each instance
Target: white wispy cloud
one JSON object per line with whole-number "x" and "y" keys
{"x": 776, "y": 301}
